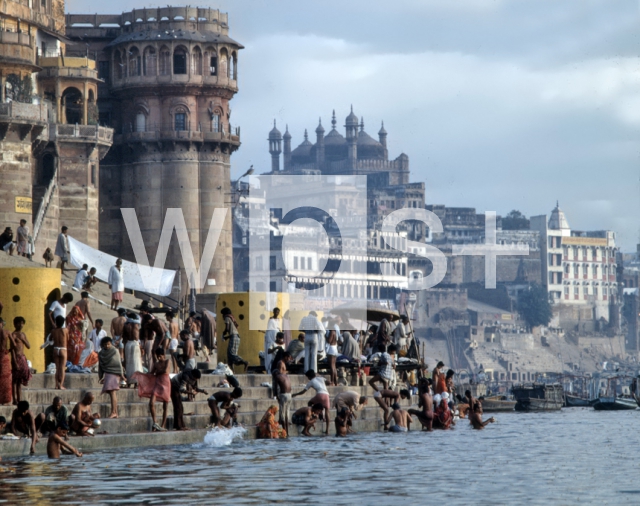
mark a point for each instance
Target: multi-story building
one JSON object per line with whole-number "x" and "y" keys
{"x": 169, "y": 75}
{"x": 578, "y": 268}
{"x": 50, "y": 141}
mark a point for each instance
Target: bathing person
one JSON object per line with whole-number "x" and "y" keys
{"x": 81, "y": 419}
{"x": 322, "y": 394}
{"x": 385, "y": 398}
{"x": 185, "y": 382}
{"x": 110, "y": 372}
{"x": 223, "y": 400}
{"x": 156, "y": 386}
{"x": 60, "y": 338}
{"x": 425, "y": 402}
{"x": 23, "y": 421}
{"x": 401, "y": 417}
{"x": 306, "y": 417}
{"x": 282, "y": 392}
{"x": 386, "y": 365}
{"x": 53, "y": 416}
{"x": 56, "y": 443}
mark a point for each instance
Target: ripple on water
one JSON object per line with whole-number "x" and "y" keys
{"x": 578, "y": 456}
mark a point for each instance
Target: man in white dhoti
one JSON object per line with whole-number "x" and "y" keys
{"x": 62, "y": 248}
{"x": 116, "y": 283}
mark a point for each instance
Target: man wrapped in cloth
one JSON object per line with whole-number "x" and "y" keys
{"x": 110, "y": 372}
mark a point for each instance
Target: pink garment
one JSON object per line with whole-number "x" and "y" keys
{"x": 111, "y": 382}
{"x": 149, "y": 385}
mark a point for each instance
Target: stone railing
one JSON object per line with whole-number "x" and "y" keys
{"x": 87, "y": 132}
{"x": 17, "y": 110}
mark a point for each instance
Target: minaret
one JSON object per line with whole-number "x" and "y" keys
{"x": 382, "y": 135}
{"x": 319, "y": 145}
{"x": 275, "y": 147}
{"x": 287, "y": 149}
{"x": 351, "y": 125}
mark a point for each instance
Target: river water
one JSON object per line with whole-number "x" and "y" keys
{"x": 576, "y": 456}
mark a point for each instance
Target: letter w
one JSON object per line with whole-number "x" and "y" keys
{"x": 175, "y": 219}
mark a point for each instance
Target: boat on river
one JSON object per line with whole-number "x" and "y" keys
{"x": 538, "y": 397}
{"x": 612, "y": 403}
{"x": 497, "y": 404}
{"x": 573, "y": 401}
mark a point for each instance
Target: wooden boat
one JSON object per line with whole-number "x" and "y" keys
{"x": 497, "y": 404}
{"x": 611, "y": 403}
{"x": 538, "y": 397}
{"x": 572, "y": 401}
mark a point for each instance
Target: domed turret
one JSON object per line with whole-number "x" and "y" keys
{"x": 302, "y": 153}
{"x": 287, "y": 149}
{"x": 275, "y": 134}
{"x": 368, "y": 147}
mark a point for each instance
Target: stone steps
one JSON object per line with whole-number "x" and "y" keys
{"x": 73, "y": 381}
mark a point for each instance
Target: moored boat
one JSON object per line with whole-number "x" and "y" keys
{"x": 497, "y": 404}
{"x": 611, "y": 403}
{"x": 538, "y": 397}
{"x": 572, "y": 401}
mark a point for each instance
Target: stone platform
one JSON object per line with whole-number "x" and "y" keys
{"x": 133, "y": 427}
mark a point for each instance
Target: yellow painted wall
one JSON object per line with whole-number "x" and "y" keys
{"x": 240, "y": 303}
{"x": 27, "y": 292}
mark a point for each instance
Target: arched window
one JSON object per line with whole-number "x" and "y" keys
{"x": 134, "y": 62}
{"x": 196, "y": 62}
{"x": 180, "y": 60}
{"x": 150, "y": 62}
{"x": 165, "y": 61}
{"x": 231, "y": 67}
{"x": 211, "y": 59}
{"x": 180, "y": 119}
{"x": 141, "y": 122}
{"x": 215, "y": 121}
{"x": 73, "y": 106}
{"x": 118, "y": 65}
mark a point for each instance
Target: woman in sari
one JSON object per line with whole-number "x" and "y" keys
{"x": 268, "y": 428}
{"x": 75, "y": 345}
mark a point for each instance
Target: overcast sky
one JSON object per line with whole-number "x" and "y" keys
{"x": 499, "y": 105}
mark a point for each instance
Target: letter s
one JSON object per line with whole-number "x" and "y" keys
{"x": 432, "y": 253}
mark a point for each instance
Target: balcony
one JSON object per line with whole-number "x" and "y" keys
{"x": 162, "y": 133}
{"x": 25, "y": 118}
{"x": 95, "y": 134}
{"x": 67, "y": 67}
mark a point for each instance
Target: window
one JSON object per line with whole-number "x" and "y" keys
{"x": 309, "y": 264}
{"x": 150, "y": 62}
{"x": 272, "y": 263}
{"x": 295, "y": 262}
{"x": 164, "y": 62}
{"x": 215, "y": 122}
{"x": 272, "y": 286}
{"x": 94, "y": 175}
{"x": 141, "y": 122}
{"x": 302, "y": 263}
{"x": 179, "y": 61}
{"x": 213, "y": 65}
{"x": 196, "y": 62}
{"x": 576, "y": 292}
{"x": 181, "y": 121}
{"x": 595, "y": 292}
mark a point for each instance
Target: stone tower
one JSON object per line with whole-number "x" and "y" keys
{"x": 169, "y": 74}
{"x": 50, "y": 141}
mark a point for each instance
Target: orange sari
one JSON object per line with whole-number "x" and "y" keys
{"x": 268, "y": 428}
{"x": 75, "y": 345}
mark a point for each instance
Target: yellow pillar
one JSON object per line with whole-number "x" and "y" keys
{"x": 28, "y": 292}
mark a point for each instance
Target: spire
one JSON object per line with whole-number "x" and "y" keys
{"x": 306, "y": 136}
{"x": 352, "y": 119}
{"x": 275, "y": 133}
{"x": 286, "y": 135}
{"x": 382, "y": 130}
{"x": 333, "y": 120}
{"x": 362, "y": 124}
{"x": 320, "y": 129}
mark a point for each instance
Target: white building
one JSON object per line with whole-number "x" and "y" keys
{"x": 578, "y": 268}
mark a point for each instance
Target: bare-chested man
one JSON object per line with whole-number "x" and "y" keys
{"x": 156, "y": 327}
{"x": 60, "y": 336}
{"x": 81, "y": 417}
{"x": 56, "y": 443}
{"x": 117, "y": 330}
{"x": 425, "y": 401}
{"x": 282, "y": 392}
{"x": 226, "y": 401}
{"x": 385, "y": 398}
{"x": 20, "y": 372}
{"x": 188, "y": 350}
{"x": 23, "y": 421}
{"x": 475, "y": 413}
{"x": 401, "y": 417}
